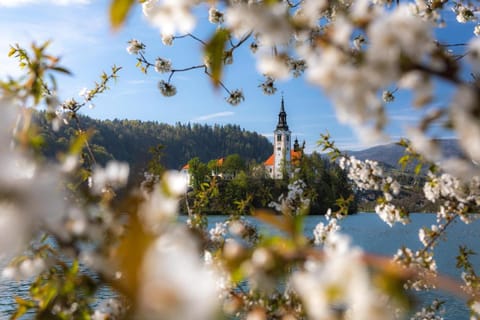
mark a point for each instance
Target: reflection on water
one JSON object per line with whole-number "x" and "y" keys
{"x": 366, "y": 231}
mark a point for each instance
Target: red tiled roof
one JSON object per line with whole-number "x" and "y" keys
{"x": 219, "y": 163}
{"x": 294, "y": 157}
{"x": 270, "y": 161}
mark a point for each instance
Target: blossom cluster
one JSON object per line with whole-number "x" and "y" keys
{"x": 351, "y": 50}
{"x": 294, "y": 201}
{"x": 368, "y": 175}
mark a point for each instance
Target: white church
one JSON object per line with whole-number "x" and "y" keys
{"x": 283, "y": 156}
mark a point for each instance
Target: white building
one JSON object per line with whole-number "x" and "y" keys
{"x": 283, "y": 156}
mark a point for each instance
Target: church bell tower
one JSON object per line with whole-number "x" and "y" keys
{"x": 281, "y": 145}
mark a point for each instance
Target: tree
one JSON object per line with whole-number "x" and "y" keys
{"x": 358, "y": 52}
{"x": 199, "y": 172}
{"x": 233, "y": 164}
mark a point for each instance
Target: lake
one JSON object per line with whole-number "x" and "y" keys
{"x": 366, "y": 231}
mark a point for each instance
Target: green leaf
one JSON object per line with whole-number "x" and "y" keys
{"x": 283, "y": 223}
{"x": 12, "y": 51}
{"x": 62, "y": 70}
{"x": 23, "y": 306}
{"x": 418, "y": 167}
{"x": 79, "y": 142}
{"x": 214, "y": 53}
{"x": 119, "y": 10}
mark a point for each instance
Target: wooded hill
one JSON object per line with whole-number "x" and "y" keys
{"x": 131, "y": 140}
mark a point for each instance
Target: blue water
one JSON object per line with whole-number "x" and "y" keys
{"x": 366, "y": 231}
{"x": 373, "y": 235}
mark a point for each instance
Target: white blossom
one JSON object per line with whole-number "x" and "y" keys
{"x": 424, "y": 145}
{"x": 322, "y": 231}
{"x": 215, "y": 16}
{"x": 167, "y": 39}
{"x": 29, "y": 268}
{"x": 174, "y": 182}
{"x": 391, "y": 214}
{"x": 235, "y": 97}
{"x": 310, "y": 11}
{"x": 294, "y": 202}
{"x": 170, "y": 16}
{"x": 341, "y": 279}
{"x": 464, "y": 14}
{"x": 167, "y": 89}
{"x": 268, "y": 86}
{"x": 218, "y": 233}
{"x": 14, "y": 229}
{"x": 114, "y": 175}
{"x": 135, "y": 47}
{"x": 297, "y": 67}
{"x": 170, "y": 267}
{"x": 163, "y": 65}
{"x": 387, "y": 96}
{"x": 268, "y": 21}
{"x": 466, "y": 121}
{"x": 275, "y": 67}
{"x": 86, "y": 94}
{"x": 474, "y": 54}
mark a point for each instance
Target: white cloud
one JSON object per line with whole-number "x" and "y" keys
{"x": 19, "y": 3}
{"x": 214, "y": 115}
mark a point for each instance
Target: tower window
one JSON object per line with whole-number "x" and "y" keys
{"x": 288, "y": 138}
{"x": 279, "y": 137}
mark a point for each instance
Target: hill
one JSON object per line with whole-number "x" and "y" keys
{"x": 389, "y": 154}
{"x": 130, "y": 141}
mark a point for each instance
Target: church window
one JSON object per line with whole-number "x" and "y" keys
{"x": 279, "y": 137}
{"x": 278, "y": 148}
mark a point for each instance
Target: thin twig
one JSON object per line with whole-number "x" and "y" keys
{"x": 220, "y": 82}
{"x": 184, "y": 69}
{"x": 440, "y": 232}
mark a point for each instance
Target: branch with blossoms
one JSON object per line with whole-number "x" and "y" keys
{"x": 164, "y": 66}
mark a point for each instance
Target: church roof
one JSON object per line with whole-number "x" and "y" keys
{"x": 295, "y": 156}
{"x": 270, "y": 161}
{"x": 220, "y": 162}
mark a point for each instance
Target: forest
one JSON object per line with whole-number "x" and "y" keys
{"x": 154, "y": 147}
{"x": 240, "y": 187}
{"x": 137, "y": 142}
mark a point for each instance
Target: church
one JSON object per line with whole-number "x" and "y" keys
{"x": 283, "y": 157}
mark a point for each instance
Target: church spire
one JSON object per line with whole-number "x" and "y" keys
{"x": 282, "y": 118}
{"x": 296, "y": 146}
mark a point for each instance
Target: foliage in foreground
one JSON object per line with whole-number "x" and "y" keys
{"x": 135, "y": 244}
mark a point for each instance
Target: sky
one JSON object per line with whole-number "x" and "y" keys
{"x": 81, "y": 35}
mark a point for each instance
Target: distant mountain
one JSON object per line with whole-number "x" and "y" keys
{"x": 390, "y": 153}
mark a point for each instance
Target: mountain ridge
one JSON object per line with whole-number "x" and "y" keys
{"x": 390, "y": 153}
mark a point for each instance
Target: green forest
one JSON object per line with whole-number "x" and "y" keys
{"x": 137, "y": 142}
{"x": 239, "y": 185}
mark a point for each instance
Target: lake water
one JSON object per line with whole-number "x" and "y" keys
{"x": 366, "y": 231}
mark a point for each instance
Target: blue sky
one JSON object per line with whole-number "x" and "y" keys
{"x": 83, "y": 38}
